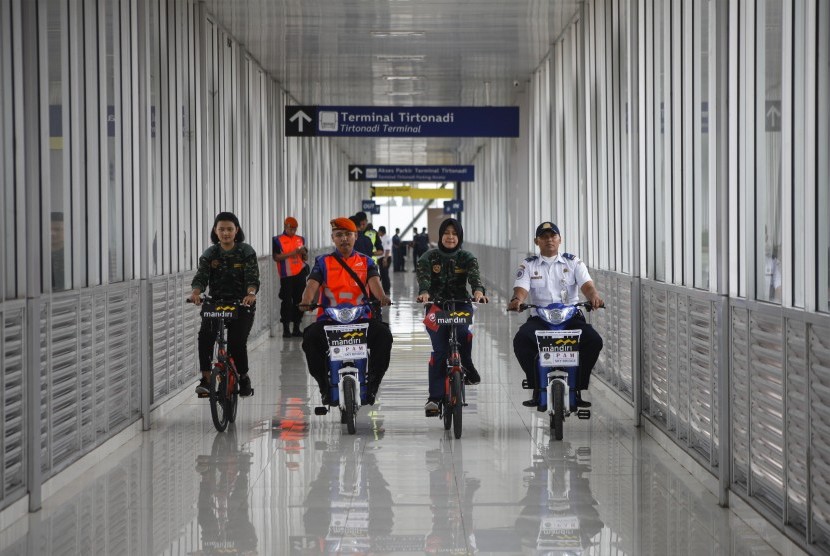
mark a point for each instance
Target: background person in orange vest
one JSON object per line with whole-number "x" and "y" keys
{"x": 290, "y": 254}
{"x": 329, "y": 284}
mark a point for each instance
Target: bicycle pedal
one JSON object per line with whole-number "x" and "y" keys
{"x": 321, "y": 410}
{"x": 526, "y": 385}
{"x": 432, "y": 412}
{"x": 583, "y": 413}
{"x": 202, "y": 395}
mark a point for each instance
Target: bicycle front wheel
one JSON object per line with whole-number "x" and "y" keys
{"x": 232, "y": 397}
{"x": 458, "y": 403}
{"x": 218, "y": 399}
{"x": 446, "y": 406}
{"x": 349, "y": 403}
{"x": 557, "y": 418}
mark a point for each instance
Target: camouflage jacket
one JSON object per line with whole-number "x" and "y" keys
{"x": 228, "y": 273}
{"x": 434, "y": 277}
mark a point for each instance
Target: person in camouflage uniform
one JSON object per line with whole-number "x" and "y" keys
{"x": 439, "y": 278}
{"x": 229, "y": 268}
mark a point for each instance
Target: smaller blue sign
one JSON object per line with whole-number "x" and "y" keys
{"x": 367, "y": 205}
{"x": 453, "y": 206}
{"x": 443, "y": 174}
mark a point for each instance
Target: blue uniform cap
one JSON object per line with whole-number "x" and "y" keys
{"x": 547, "y": 227}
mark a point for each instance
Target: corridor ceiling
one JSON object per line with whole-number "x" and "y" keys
{"x": 398, "y": 53}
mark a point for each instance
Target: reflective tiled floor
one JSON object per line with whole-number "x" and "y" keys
{"x": 284, "y": 481}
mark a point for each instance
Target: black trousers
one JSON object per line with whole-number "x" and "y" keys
{"x": 237, "y": 336}
{"x": 397, "y": 259}
{"x": 315, "y": 346}
{"x": 384, "y": 273}
{"x": 525, "y": 349}
{"x": 291, "y": 290}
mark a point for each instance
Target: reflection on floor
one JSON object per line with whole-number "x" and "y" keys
{"x": 284, "y": 481}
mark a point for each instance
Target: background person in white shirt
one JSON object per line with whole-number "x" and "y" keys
{"x": 553, "y": 277}
{"x": 385, "y": 259}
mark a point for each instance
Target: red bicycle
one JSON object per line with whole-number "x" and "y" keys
{"x": 454, "y": 394}
{"x": 224, "y": 378}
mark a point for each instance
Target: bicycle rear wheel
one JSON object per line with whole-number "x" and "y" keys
{"x": 218, "y": 399}
{"x": 458, "y": 402}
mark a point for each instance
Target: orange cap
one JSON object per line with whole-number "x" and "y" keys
{"x": 343, "y": 223}
{"x": 291, "y": 222}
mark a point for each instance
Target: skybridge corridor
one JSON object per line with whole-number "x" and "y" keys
{"x": 682, "y": 150}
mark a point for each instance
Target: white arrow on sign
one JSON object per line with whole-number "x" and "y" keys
{"x": 773, "y": 114}
{"x": 356, "y": 172}
{"x": 303, "y": 117}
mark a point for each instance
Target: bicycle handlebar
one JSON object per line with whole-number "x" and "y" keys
{"x": 583, "y": 304}
{"x": 372, "y": 303}
{"x": 439, "y": 301}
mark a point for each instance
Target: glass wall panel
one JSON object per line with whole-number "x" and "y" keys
{"x": 153, "y": 76}
{"x": 114, "y": 180}
{"x": 704, "y": 82}
{"x": 768, "y": 233}
{"x": 823, "y": 156}
{"x": 625, "y": 197}
{"x": 58, "y": 266}
{"x": 8, "y": 201}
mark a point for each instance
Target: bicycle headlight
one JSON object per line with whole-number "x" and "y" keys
{"x": 556, "y": 315}
{"x": 344, "y": 315}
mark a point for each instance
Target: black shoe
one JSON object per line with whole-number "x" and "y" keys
{"x": 326, "y": 398}
{"x": 203, "y": 388}
{"x": 297, "y": 332}
{"x": 370, "y": 398}
{"x": 580, "y": 402}
{"x": 431, "y": 408}
{"x": 286, "y": 331}
{"x": 245, "y": 386}
{"x": 472, "y": 377}
{"x": 532, "y": 402}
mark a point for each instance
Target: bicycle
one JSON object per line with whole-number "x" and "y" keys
{"x": 557, "y": 365}
{"x": 348, "y": 359}
{"x": 224, "y": 378}
{"x": 449, "y": 409}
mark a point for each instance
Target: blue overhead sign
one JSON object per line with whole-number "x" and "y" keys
{"x": 368, "y": 205}
{"x": 401, "y": 121}
{"x": 411, "y": 173}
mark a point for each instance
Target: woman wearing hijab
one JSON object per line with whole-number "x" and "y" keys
{"x": 443, "y": 273}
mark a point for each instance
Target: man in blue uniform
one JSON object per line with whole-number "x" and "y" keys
{"x": 553, "y": 277}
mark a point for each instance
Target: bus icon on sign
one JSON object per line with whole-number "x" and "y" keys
{"x": 371, "y": 173}
{"x": 327, "y": 121}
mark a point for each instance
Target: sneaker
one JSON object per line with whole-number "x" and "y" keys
{"x": 431, "y": 408}
{"x": 471, "y": 377}
{"x": 245, "y": 386}
{"x": 370, "y": 398}
{"x": 286, "y": 331}
{"x": 580, "y": 402}
{"x": 532, "y": 402}
{"x": 203, "y": 388}
{"x": 297, "y": 332}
